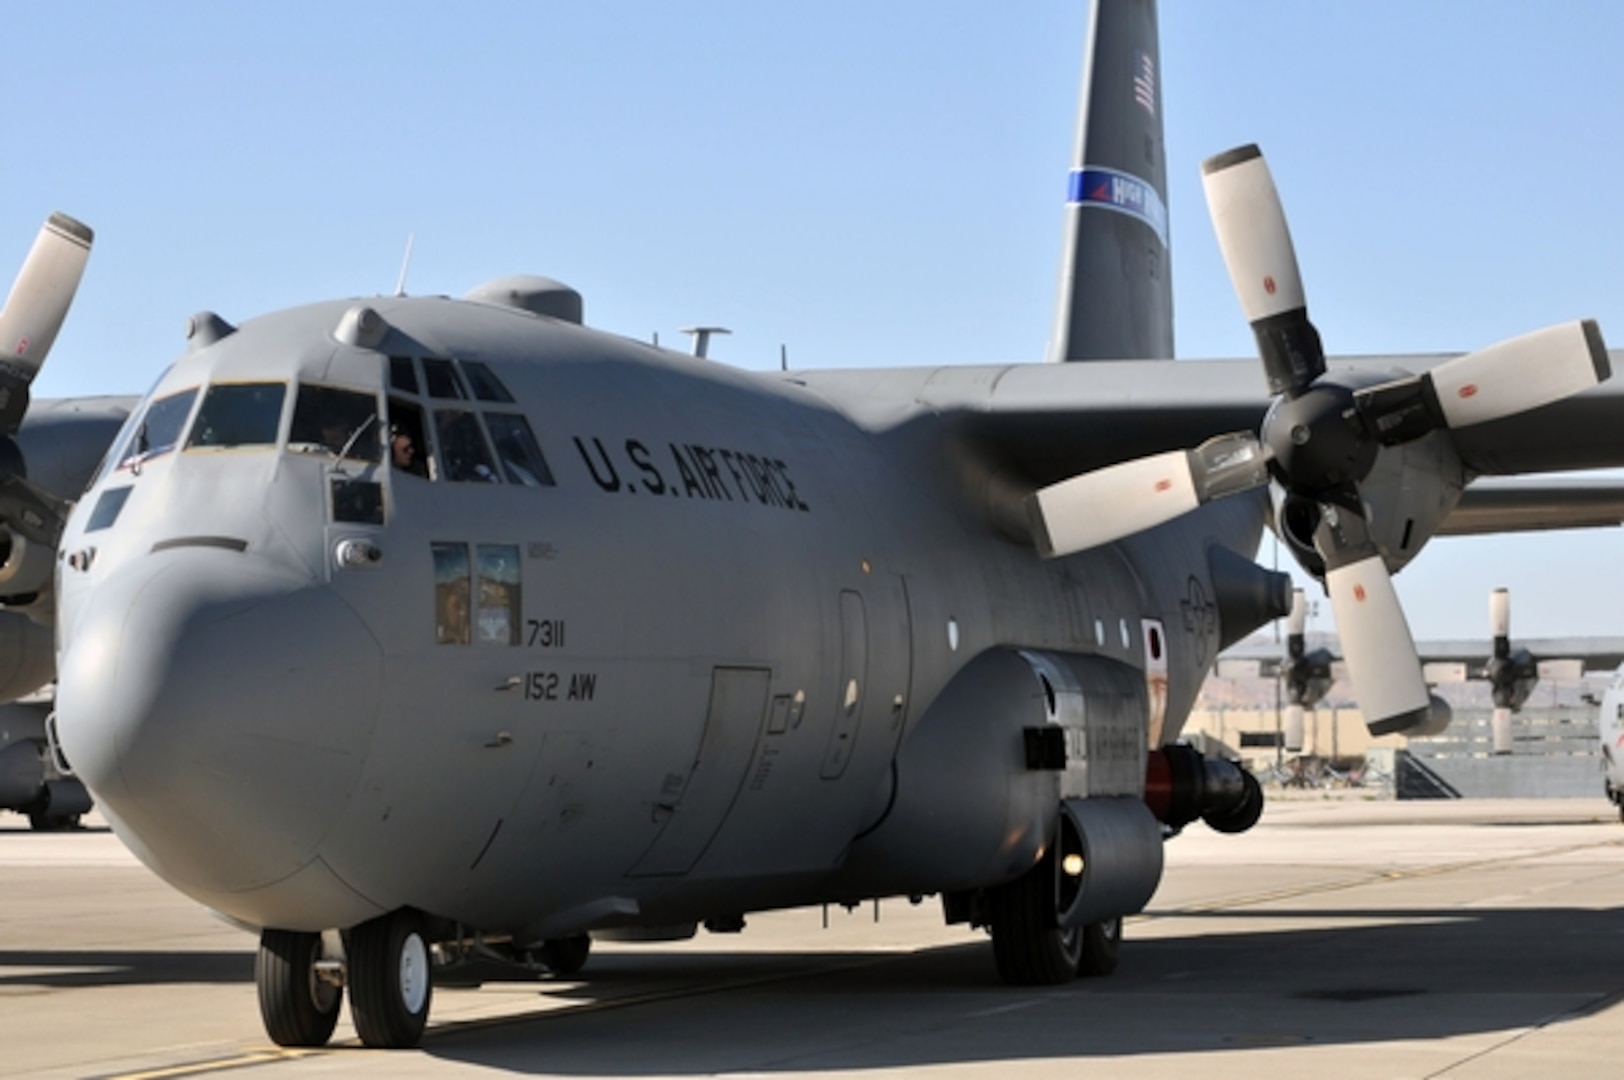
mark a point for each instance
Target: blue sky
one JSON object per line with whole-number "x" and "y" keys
{"x": 866, "y": 183}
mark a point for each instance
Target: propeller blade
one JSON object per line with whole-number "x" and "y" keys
{"x": 1377, "y": 645}
{"x": 41, "y": 294}
{"x": 1376, "y": 640}
{"x": 1500, "y": 728}
{"x": 1502, "y": 380}
{"x": 1520, "y": 374}
{"x": 1293, "y": 729}
{"x": 1500, "y": 620}
{"x": 1109, "y": 504}
{"x": 1297, "y": 628}
{"x": 1256, "y": 244}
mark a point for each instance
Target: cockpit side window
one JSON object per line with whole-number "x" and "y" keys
{"x": 516, "y": 448}
{"x": 402, "y": 375}
{"x": 239, "y": 414}
{"x": 441, "y": 375}
{"x": 487, "y": 387}
{"x": 408, "y": 445}
{"x": 342, "y": 423}
{"x": 160, "y": 429}
{"x": 462, "y": 447}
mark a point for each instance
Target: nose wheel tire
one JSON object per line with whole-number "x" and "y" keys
{"x": 566, "y": 956}
{"x": 391, "y": 984}
{"x": 298, "y": 1006}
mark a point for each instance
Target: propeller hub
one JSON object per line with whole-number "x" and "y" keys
{"x": 1318, "y": 440}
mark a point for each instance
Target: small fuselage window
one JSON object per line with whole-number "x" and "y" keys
{"x": 239, "y": 414}
{"x": 451, "y": 588}
{"x": 500, "y": 603}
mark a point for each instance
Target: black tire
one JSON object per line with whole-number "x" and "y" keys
{"x": 1244, "y": 815}
{"x": 47, "y": 822}
{"x": 391, "y": 980}
{"x": 566, "y": 956}
{"x": 1028, "y": 945}
{"x": 298, "y": 1008}
{"x": 1102, "y": 942}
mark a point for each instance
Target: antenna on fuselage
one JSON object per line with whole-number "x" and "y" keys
{"x": 702, "y": 336}
{"x": 405, "y": 265}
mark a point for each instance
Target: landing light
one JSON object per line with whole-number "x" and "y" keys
{"x": 1072, "y": 865}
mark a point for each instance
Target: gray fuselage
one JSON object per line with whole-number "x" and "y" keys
{"x": 674, "y": 682}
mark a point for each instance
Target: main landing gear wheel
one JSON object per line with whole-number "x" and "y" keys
{"x": 298, "y": 1006}
{"x": 1102, "y": 942}
{"x": 391, "y": 980}
{"x": 1028, "y": 943}
{"x": 566, "y": 956}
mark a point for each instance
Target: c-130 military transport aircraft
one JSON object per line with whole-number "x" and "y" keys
{"x": 405, "y": 630}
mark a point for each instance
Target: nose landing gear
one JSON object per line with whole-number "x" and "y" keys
{"x": 390, "y": 975}
{"x": 298, "y": 998}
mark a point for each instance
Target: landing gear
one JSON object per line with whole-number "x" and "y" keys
{"x": 297, "y": 1001}
{"x": 566, "y": 956}
{"x": 390, "y": 980}
{"x": 1030, "y": 946}
{"x": 1102, "y": 942}
{"x": 43, "y": 821}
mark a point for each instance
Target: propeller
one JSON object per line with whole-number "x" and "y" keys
{"x": 1308, "y": 674}
{"x": 1512, "y": 674}
{"x": 1319, "y": 440}
{"x": 34, "y": 312}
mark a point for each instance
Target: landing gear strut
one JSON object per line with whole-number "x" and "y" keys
{"x": 297, "y": 1001}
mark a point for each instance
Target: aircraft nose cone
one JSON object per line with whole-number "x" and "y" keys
{"x": 220, "y": 709}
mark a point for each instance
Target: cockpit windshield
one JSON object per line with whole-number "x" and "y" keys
{"x": 342, "y": 423}
{"x": 160, "y": 429}
{"x": 238, "y": 414}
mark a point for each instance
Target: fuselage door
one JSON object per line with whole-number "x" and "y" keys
{"x": 698, "y": 804}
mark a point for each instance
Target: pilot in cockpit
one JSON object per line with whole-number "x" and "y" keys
{"x": 406, "y": 450}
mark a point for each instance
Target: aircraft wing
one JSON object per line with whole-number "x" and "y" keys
{"x": 1499, "y": 505}
{"x": 1590, "y": 653}
{"x": 1050, "y": 421}
{"x": 1445, "y": 661}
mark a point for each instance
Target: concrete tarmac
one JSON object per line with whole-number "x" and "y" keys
{"x": 1340, "y": 938}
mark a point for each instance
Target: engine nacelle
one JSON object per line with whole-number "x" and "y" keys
{"x": 25, "y": 568}
{"x": 27, "y": 655}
